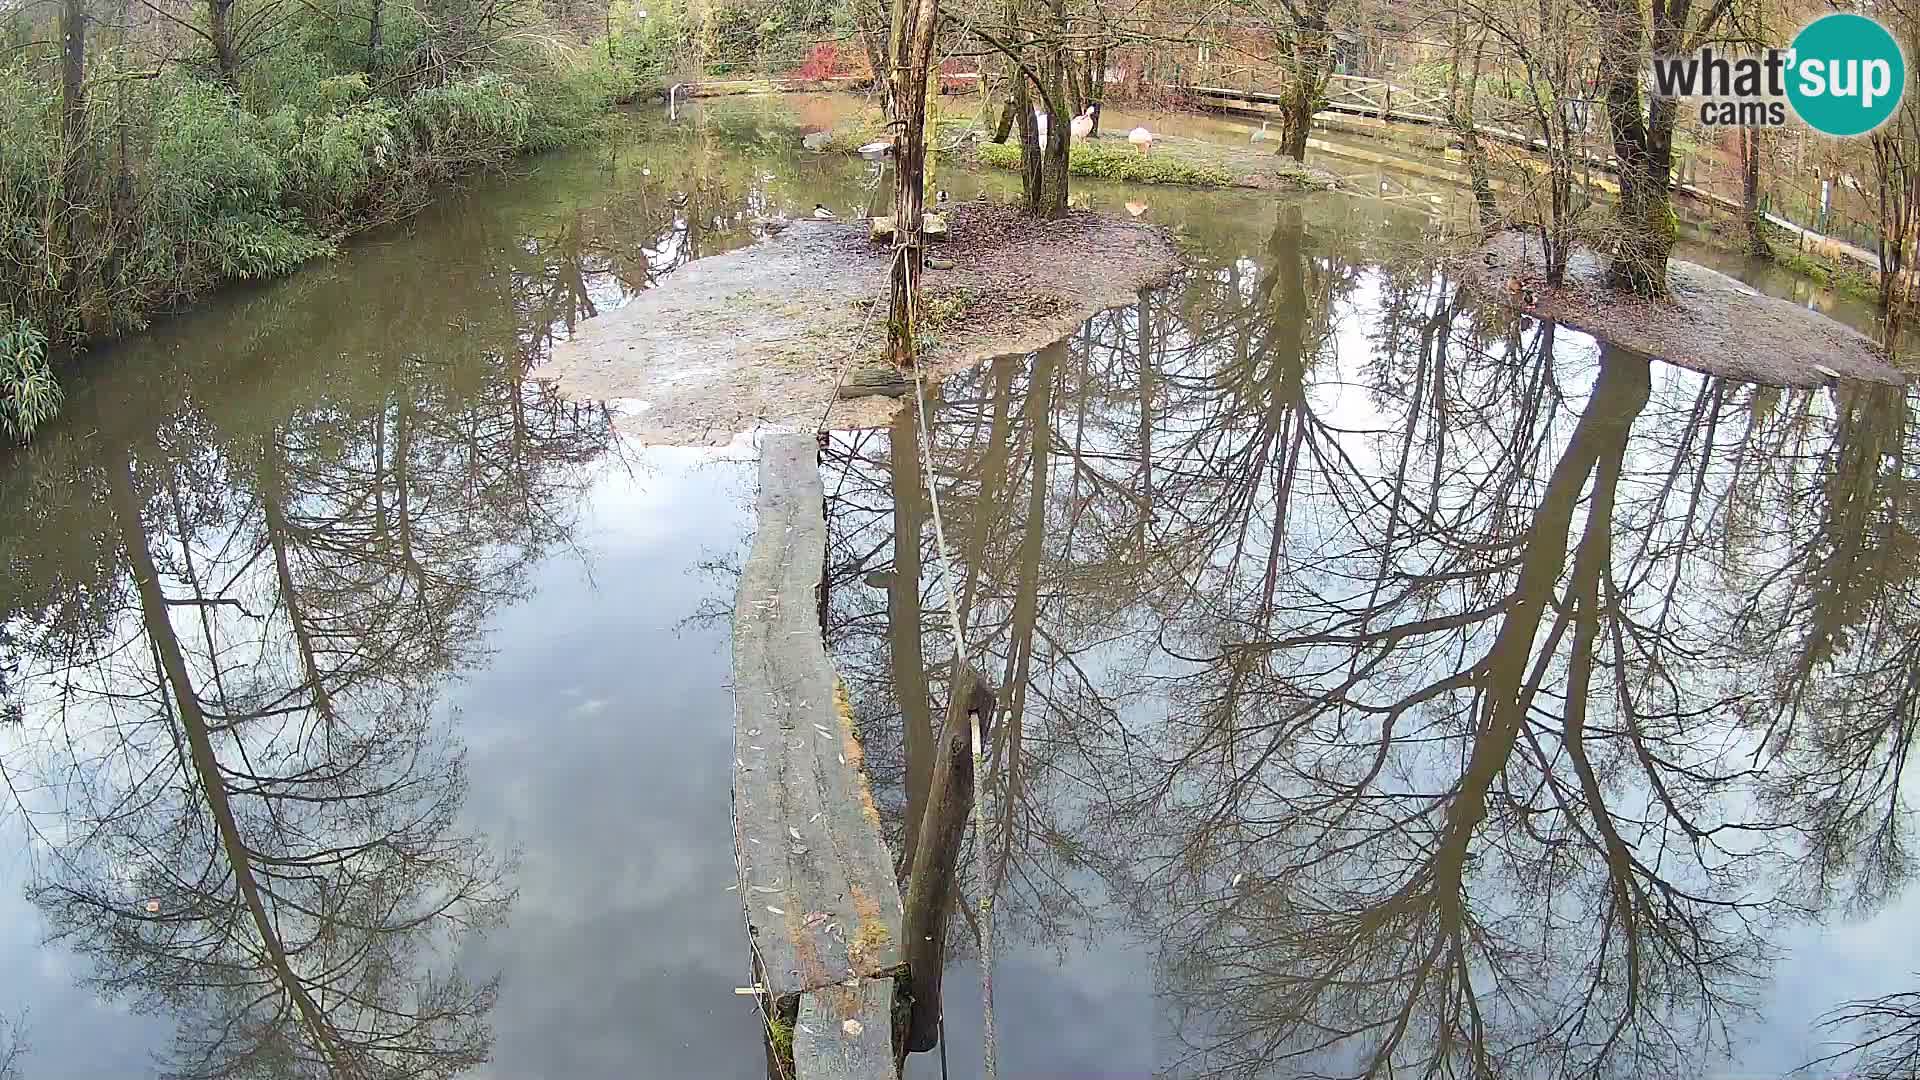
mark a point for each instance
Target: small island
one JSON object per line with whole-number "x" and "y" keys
{"x": 760, "y": 338}
{"x": 1707, "y": 321}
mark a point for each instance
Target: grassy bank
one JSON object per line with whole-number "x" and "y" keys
{"x": 1847, "y": 279}
{"x": 1186, "y": 162}
{"x": 170, "y": 174}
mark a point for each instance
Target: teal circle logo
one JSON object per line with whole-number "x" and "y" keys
{"x": 1846, "y": 74}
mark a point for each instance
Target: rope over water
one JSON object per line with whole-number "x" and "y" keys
{"x": 989, "y": 1055}
{"x": 989, "y": 1050}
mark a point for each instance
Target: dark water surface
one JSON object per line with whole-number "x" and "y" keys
{"x": 367, "y": 708}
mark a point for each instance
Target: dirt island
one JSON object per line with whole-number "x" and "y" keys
{"x": 1708, "y": 321}
{"x": 759, "y": 338}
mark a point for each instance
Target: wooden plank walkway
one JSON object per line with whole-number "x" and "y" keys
{"x": 822, "y": 905}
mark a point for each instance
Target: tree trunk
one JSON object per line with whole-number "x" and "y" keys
{"x": 903, "y": 624}
{"x": 1897, "y": 179}
{"x": 931, "y": 885}
{"x": 1460, "y": 93}
{"x": 1049, "y": 199}
{"x": 1750, "y": 193}
{"x": 913, "y": 27}
{"x": 1030, "y": 150}
{"x": 1052, "y": 202}
{"x": 1644, "y": 224}
{"x": 374, "y": 36}
{"x": 1306, "y": 80}
{"x": 220, "y": 29}
{"x": 73, "y": 78}
{"x": 1097, "y": 87}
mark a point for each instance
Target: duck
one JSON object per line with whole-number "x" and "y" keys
{"x": 1141, "y": 138}
{"x": 822, "y": 213}
{"x": 773, "y": 226}
{"x": 943, "y": 198}
{"x": 1261, "y": 135}
{"x": 1082, "y": 125}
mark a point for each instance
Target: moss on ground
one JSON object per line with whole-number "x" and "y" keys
{"x": 780, "y": 1035}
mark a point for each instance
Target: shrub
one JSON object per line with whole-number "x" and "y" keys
{"x": 29, "y": 149}
{"x": 335, "y": 163}
{"x": 569, "y": 95}
{"x": 189, "y": 183}
{"x": 822, "y": 62}
{"x": 208, "y": 155}
{"x": 651, "y": 44}
{"x": 211, "y": 198}
{"x": 465, "y": 125}
{"x": 29, "y": 396}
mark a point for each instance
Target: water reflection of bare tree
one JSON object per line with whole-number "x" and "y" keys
{"x": 1882, "y": 1037}
{"x": 618, "y": 246}
{"x": 1434, "y": 724}
{"x": 256, "y": 792}
{"x": 13, "y": 1046}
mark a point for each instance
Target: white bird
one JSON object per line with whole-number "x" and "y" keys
{"x": 822, "y": 212}
{"x": 1141, "y": 138}
{"x": 1040, "y": 124}
{"x": 1261, "y": 135}
{"x": 1082, "y": 125}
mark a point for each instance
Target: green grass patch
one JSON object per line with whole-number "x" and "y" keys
{"x": 1845, "y": 280}
{"x": 1104, "y": 162}
{"x": 780, "y": 1034}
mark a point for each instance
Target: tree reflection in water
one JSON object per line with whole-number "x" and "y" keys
{"x": 1440, "y": 694}
{"x": 245, "y": 793}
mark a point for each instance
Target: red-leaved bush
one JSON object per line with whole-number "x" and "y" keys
{"x": 823, "y": 62}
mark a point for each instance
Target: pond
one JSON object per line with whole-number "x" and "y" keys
{"x": 1388, "y": 682}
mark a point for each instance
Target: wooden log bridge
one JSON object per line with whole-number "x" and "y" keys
{"x": 823, "y": 908}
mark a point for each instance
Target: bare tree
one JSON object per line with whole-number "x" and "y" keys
{"x": 1642, "y": 129}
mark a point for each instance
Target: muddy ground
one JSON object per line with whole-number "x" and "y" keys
{"x": 1710, "y": 322}
{"x": 757, "y": 338}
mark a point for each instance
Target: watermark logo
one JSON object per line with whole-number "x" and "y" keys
{"x": 1842, "y": 75}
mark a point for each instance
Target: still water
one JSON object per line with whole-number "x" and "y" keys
{"x": 1389, "y": 684}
